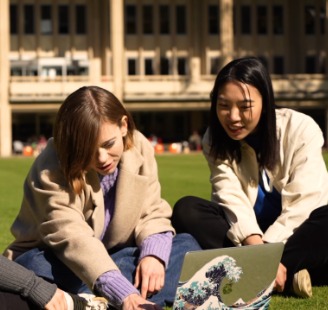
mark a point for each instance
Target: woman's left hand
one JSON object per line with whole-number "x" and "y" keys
{"x": 150, "y": 276}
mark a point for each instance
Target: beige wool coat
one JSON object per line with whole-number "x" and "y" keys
{"x": 300, "y": 176}
{"x": 52, "y": 216}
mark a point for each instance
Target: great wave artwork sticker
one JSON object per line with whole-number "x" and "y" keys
{"x": 207, "y": 288}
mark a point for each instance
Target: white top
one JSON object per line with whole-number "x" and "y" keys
{"x": 300, "y": 177}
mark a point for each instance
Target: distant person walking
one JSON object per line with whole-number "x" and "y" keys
{"x": 195, "y": 141}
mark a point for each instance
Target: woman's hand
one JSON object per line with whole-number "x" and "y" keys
{"x": 281, "y": 278}
{"x": 57, "y": 302}
{"x": 150, "y": 276}
{"x": 282, "y": 271}
{"x": 252, "y": 240}
{"x": 135, "y": 301}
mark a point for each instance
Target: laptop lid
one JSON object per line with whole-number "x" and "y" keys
{"x": 236, "y": 277}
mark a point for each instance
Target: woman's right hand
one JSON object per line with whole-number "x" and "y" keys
{"x": 282, "y": 271}
{"x": 135, "y": 301}
{"x": 253, "y": 240}
{"x": 281, "y": 278}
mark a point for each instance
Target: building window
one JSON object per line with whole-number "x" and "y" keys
{"x": 309, "y": 19}
{"x": 46, "y": 21}
{"x": 322, "y": 65}
{"x": 215, "y": 63}
{"x": 63, "y": 17}
{"x": 13, "y": 19}
{"x": 213, "y": 19}
{"x": 132, "y": 66}
{"x": 278, "y": 65}
{"x": 181, "y": 19}
{"x": 164, "y": 66}
{"x": 28, "y": 19}
{"x": 22, "y": 68}
{"x": 164, "y": 19}
{"x": 80, "y": 19}
{"x": 264, "y": 61}
{"x": 322, "y": 20}
{"x": 147, "y": 19}
{"x": 246, "y": 19}
{"x": 83, "y": 71}
{"x": 278, "y": 19}
{"x": 262, "y": 19}
{"x": 131, "y": 19}
{"x": 16, "y": 72}
{"x": 149, "y": 66}
{"x": 310, "y": 64}
{"x": 182, "y": 66}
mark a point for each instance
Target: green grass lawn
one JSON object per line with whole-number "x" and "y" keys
{"x": 180, "y": 175}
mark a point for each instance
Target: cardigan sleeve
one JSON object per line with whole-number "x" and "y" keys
{"x": 158, "y": 245}
{"x": 15, "y": 278}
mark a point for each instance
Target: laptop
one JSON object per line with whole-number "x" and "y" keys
{"x": 227, "y": 278}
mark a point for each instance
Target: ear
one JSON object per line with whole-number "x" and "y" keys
{"x": 124, "y": 125}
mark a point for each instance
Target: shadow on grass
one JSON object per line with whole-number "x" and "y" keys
{"x": 317, "y": 302}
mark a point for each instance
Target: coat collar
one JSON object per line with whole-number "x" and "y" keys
{"x": 131, "y": 160}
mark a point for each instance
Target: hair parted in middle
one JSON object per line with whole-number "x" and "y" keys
{"x": 77, "y": 129}
{"x": 251, "y": 71}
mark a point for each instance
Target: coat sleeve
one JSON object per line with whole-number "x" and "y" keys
{"x": 156, "y": 212}
{"x": 67, "y": 229}
{"x": 16, "y": 279}
{"x": 305, "y": 181}
{"x": 53, "y": 216}
{"x": 229, "y": 192}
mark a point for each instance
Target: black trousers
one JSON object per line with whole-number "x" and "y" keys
{"x": 11, "y": 301}
{"x": 307, "y": 248}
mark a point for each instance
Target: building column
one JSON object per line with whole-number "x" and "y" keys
{"x": 117, "y": 46}
{"x": 195, "y": 33}
{"x": 226, "y": 31}
{"x": 94, "y": 49}
{"x": 5, "y": 111}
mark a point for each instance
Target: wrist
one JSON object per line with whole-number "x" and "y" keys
{"x": 253, "y": 240}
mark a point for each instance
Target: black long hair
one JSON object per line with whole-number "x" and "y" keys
{"x": 251, "y": 71}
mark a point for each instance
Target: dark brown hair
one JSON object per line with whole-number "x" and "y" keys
{"x": 77, "y": 127}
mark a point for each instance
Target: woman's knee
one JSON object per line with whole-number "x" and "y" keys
{"x": 40, "y": 262}
{"x": 31, "y": 259}
{"x": 184, "y": 202}
{"x": 184, "y": 214}
{"x": 185, "y": 241}
{"x": 186, "y": 205}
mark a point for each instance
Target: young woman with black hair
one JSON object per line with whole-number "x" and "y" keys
{"x": 268, "y": 176}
